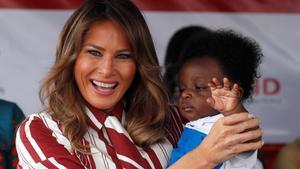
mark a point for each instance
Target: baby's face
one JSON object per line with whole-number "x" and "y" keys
{"x": 194, "y": 76}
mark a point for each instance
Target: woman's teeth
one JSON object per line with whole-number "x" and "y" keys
{"x": 104, "y": 85}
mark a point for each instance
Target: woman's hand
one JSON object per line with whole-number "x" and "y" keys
{"x": 232, "y": 135}
{"x": 229, "y": 136}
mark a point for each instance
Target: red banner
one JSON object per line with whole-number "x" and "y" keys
{"x": 264, "y": 6}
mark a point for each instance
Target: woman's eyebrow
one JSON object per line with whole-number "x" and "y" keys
{"x": 94, "y": 46}
{"x": 102, "y": 49}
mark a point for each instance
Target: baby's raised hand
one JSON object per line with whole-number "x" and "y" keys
{"x": 225, "y": 97}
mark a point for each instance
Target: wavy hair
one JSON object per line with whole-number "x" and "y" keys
{"x": 146, "y": 101}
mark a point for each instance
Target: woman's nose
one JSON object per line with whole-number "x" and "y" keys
{"x": 106, "y": 66}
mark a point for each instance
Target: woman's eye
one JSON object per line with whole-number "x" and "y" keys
{"x": 94, "y": 52}
{"x": 123, "y": 56}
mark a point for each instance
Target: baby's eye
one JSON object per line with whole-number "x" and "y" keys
{"x": 200, "y": 88}
{"x": 94, "y": 52}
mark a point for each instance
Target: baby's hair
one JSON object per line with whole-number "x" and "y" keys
{"x": 175, "y": 45}
{"x": 238, "y": 55}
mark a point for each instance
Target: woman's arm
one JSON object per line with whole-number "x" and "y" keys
{"x": 39, "y": 147}
{"x": 229, "y": 136}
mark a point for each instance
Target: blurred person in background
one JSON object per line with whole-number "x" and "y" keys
{"x": 10, "y": 116}
{"x": 289, "y": 156}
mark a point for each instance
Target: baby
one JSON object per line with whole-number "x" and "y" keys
{"x": 207, "y": 94}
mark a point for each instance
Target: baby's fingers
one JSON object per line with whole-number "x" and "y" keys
{"x": 237, "y": 90}
{"x": 212, "y": 85}
{"x": 217, "y": 83}
{"x": 226, "y": 83}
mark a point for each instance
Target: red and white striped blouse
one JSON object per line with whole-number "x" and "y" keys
{"x": 41, "y": 144}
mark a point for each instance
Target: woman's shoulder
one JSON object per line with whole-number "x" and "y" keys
{"x": 37, "y": 124}
{"x": 36, "y": 118}
{"x": 41, "y": 127}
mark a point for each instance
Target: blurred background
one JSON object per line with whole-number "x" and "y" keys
{"x": 29, "y": 30}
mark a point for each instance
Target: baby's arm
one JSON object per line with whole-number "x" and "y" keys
{"x": 225, "y": 97}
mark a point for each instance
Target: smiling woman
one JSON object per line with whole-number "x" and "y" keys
{"x": 105, "y": 103}
{"x": 104, "y": 68}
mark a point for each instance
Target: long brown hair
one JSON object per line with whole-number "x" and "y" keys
{"x": 146, "y": 101}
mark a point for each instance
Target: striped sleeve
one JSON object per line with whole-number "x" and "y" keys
{"x": 38, "y": 147}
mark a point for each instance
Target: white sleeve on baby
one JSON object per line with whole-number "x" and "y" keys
{"x": 246, "y": 160}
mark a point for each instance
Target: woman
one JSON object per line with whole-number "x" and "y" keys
{"x": 106, "y": 106}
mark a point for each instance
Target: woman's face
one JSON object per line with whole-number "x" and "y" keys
{"x": 194, "y": 76}
{"x": 104, "y": 68}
